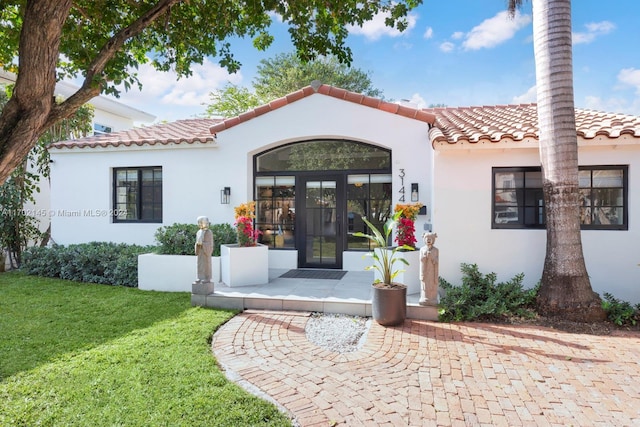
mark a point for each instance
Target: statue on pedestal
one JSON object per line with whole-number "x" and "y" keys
{"x": 204, "y": 250}
{"x": 429, "y": 255}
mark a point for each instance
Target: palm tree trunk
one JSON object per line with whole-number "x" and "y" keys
{"x": 565, "y": 289}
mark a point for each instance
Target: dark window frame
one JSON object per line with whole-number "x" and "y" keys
{"x": 520, "y": 225}
{"x": 140, "y": 191}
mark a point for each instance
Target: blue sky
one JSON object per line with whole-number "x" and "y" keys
{"x": 457, "y": 53}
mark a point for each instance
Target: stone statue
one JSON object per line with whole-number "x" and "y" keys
{"x": 429, "y": 271}
{"x": 204, "y": 249}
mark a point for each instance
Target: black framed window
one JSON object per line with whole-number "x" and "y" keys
{"x": 603, "y": 196}
{"x": 276, "y": 212}
{"x": 137, "y": 194}
{"x": 368, "y": 196}
{"x": 518, "y": 200}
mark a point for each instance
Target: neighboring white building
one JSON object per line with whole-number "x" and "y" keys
{"x": 109, "y": 115}
{"x": 319, "y": 159}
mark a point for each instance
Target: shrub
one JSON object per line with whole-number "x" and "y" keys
{"x": 620, "y": 312}
{"x": 481, "y": 298}
{"x": 223, "y": 234}
{"x": 95, "y": 262}
{"x": 176, "y": 239}
{"x": 179, "y": 239}
{"x": 38, "y": 261}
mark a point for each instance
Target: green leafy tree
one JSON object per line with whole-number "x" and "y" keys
{"x": 232, "y": 100}
{"x": 565, "y": 288}
{"x": 104, "y": 42}
{"x": 19, "y": 227}
{"x": 284, "y": 74}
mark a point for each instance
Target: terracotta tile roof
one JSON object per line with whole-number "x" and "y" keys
{"x": 189, "y": 131}
{"x": 357, "y": 98}
{"x": 518, "y": 122}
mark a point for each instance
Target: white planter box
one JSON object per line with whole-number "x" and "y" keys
{"x": 411, "y": 274}
{"x": 244, "y": 266}
{"x": 171, "y": 273}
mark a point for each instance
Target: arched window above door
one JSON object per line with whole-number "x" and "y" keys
{"x": 324, "y": 155}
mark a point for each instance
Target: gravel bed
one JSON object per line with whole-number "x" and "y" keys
{"x": 337, "y": 332}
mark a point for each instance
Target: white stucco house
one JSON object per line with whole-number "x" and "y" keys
{"x": 319, "y": 159}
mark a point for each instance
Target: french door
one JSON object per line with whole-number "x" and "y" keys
{"x": 320, "y": 216}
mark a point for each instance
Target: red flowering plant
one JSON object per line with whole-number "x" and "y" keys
{"x": 406, "y": 230}
{"x": 247, "y": 235}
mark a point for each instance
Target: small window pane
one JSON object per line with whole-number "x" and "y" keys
{"x": 607, "y": 178}
{"x": 507, "y": 216}
{"x": 584, "y": 178}
{"x": 608, "y": 216}
{"x": 509, "y": 179}
{"x": 608, "y": 197}
{"x": 533, "y": 180}
{"x": 506, "y": 198}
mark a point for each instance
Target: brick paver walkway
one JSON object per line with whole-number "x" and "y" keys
{"x": 428, "y": 373}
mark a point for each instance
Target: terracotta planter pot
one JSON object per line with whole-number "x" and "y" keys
{"x": 389, "y": 304}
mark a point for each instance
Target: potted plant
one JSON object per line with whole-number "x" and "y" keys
{"x": 247, "y": 262}
{"x": 406, "y": 237}
{"x": 389, "y": 299}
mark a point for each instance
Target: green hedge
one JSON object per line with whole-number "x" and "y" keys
{"x": 179, "y": 239}
{"x": 95, "y": 262}
{"x": 116, "y": 263}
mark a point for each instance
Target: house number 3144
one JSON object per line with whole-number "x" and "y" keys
{"x": 401, "y": 175}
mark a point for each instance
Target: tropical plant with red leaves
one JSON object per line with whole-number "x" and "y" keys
{"x": 247, "y": 235}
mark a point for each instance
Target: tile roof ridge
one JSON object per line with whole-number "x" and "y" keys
{"x": 316, "y": 87}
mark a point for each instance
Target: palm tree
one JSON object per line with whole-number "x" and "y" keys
{"x": 565, "y": 289}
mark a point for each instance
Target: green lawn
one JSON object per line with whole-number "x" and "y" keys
{"x": 82, "y": 354}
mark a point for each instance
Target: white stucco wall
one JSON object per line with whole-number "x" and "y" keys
{"x": 107, "y": 112}
{"x": 462, "y": 219}
{"x": 82, "y": 191}
{"x": 193, "y": 175}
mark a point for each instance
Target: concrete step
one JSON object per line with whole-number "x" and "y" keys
{"x": 324, "y": 305}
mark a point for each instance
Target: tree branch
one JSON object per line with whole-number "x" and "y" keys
{"x": 89, "y": 89}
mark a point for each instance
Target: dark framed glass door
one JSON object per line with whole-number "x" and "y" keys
{"x": 320, "y": 214}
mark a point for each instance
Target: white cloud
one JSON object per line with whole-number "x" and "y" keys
{"x": 612, "y": 105}
{"x": 376, "y": 28}
{"x": 457, "y": 35}
{"x": 418, "y": 100}
{"x": 494, "y": 31}
{"x": 630, "y": 77}
{"x": 447, "y": 46}
{"x": 428, "y": 33}
{"x": 594, "y": 29}
{"x": 162, "y": 91}
{"x": 528, "y": 97}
